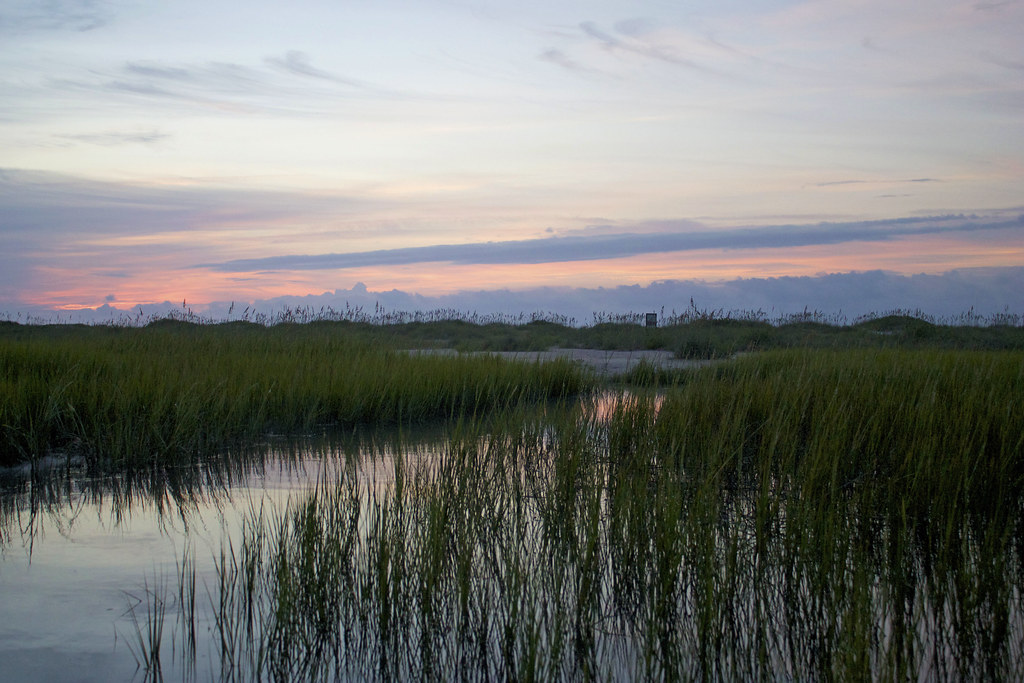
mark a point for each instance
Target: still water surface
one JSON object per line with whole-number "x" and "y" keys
{"x": 78, "y": 553}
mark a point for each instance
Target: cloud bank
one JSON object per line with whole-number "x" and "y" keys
{"x": 621, "y": 245}
{"x": 842, "y": 296}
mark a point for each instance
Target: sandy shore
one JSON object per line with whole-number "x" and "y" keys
{"x": 604, "y": 362}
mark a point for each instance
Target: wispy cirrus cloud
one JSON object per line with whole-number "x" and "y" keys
{"x": 658, "y": 48}
{"x": 219, "y": 86}
{"x": 54, "y": 15}
{"x": 115, "y": 138}
{"x": 289, "y": 85}
{"x": 634, "y": 43}
{"x": 832, "y": 183}
{"x": 298, "y": 63}
{"x": 559, "y": 58}
{"x": 158, "y": 88}
{"x": 203, "y": 82}
{"x": 158, "y": 71}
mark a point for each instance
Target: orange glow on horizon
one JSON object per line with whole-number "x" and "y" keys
{"x": 910, "y": 255}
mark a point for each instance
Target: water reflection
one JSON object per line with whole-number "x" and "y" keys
{"x": 581, "y": 546}
{"x": 53, "y": 494}
{"x": 578, "y": 539}
{"x": 79, "y": 548}
{"x": 605, "y": 405}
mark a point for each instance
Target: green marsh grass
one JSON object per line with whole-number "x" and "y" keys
{"x": 799, "y": 515}
{"x": 134, "y": 396}
{"x": 159, "y": 395}
{"x": 855, "y": 511}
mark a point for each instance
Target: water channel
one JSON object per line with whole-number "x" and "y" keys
{"x": 79, "y": 553}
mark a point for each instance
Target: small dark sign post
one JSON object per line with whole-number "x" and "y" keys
{"x": 652, "y": 320}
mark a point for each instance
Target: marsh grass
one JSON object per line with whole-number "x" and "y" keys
{"x": 148, "y": 631}
{"x": 854, "y": 511}
{"x": 169, "y": 392}
{"x": 795, "y": 515}
{"x": 130, "y": 397}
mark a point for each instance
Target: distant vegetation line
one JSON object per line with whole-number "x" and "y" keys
{"x": 695, "y": 335}
{"x": 381, "y": 316}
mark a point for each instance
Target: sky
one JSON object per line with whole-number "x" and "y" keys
{"x": 854, "y": 155}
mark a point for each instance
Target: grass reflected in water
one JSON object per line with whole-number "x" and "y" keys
{"x": 795, "y": 515}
